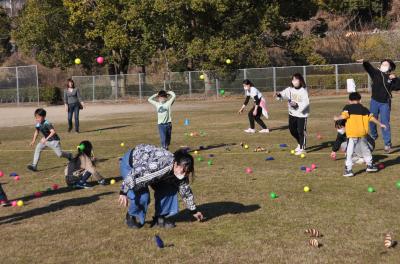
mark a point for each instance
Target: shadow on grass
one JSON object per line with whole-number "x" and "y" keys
{"x": 52, "y": 208}
{"x": 105, "y": 128}
{"x": 216, "y": 209}
{"x": 222, "y": 145}
{"x": 279, "y": 128}
{"x": 323, "y": 145}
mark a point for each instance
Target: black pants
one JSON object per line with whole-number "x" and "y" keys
{"x": 3, "y": 196}
{"x": 73, "y": 109}
{"x": 298, "y": 129}
{"x": 257, "y": 118}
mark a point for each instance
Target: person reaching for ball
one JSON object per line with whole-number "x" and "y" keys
{"x": 259, "y": 108}
{"x": 167, "y": 174}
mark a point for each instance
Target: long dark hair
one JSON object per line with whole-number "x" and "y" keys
{"x": 71, "y": 81}
{"x": 85, "y": 147}
{"x": 299, "y": 77}
{"x": 248, "y": 82}
{"x": 392, "y": 65}
{"x": 184, "y": 159}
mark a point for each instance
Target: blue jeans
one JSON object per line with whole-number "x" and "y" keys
{"x": 381, "y": 111}
{"x": 165, "y": 134}
{"x": 73, "y": 109}
{"x": 165, "y": 196}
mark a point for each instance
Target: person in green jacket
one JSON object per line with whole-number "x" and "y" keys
{"x": 163, "y": 101}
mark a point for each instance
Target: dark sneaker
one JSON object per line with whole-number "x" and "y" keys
{"x": 371, "y": 168}
{"x": 348, "y": 173}
{"x": 388, "y": 149}
{"x": 102, "y": 182}
{"x": 83, "y": 185}
{"x": 162, "y": 222}
{"x": 31, "y": 167}
{"x": 69, "y": 130}
{"x": 131, "y": 222}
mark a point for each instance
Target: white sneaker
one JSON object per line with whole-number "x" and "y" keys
{"x": 299, "y": 152}
{"x": 250, "y": 130}
{"x": 297, "y": 148}
{"x": 264, "y": 131}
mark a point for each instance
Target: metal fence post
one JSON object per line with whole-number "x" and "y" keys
{"x": 305, "y": 73}
{"x": 37, "y": 86}
{"x": 17, "y": 83}
{"x": 116, "y": 87}
{"x": 140, "y": 86}
{"x": 337, "y": 77}
{"x": 369, "y": 83}
{"x": 93, "y": 87}
{"x": 190, "y": 83}
{"x": 245, "y": 74}
{"x": 217, "y": 87}
{"x": 274, "y": 78}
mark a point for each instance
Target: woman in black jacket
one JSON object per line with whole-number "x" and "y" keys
{"x": 383, "y": 83}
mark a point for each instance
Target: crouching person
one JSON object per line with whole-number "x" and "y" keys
{"x": 82, "y": 166}
{"x": 166, "y": 173}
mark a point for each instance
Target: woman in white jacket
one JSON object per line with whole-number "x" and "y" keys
{"x": 299, "y": 109}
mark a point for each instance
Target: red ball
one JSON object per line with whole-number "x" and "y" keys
{"x": 38, "y": 194}
{"x": 54, "y": 187}
{"x": 249, "y": 170}
{"x": 100, "y": 60}
{"x": 381, "y": 166}
{"x": 14, "y": 203}
{"x": 1, "y": 173}
{"x": 17, "y": 178}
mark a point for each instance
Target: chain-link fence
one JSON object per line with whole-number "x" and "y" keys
{"x": 19, "y": 84}
{"x": 12, "y": 7}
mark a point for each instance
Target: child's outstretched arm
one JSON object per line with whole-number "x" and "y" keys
{"x": 52, "y": 133}
{"x": 152, "y": 101}
{"x": 376, "y": 121}
{"x": 171, "y": 100}
{"x": 34, "y": 137}
{"x": 246, "y": 101}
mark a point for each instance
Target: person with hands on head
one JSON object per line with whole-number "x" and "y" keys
{"x": 383, "y": 83}
{"x": 259, "y": 108}
{"x": 299, "y": 109}
{"x": 167, "y": 174}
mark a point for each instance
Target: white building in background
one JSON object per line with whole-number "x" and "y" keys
{"x": 12, "y": 7}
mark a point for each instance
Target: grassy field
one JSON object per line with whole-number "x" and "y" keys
{"x": 243, "y": 224}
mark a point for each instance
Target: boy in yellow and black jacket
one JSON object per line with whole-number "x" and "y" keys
{"x": 357, "y": 128}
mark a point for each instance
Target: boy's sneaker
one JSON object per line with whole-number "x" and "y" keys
{"x": 31, "y": 167}
{"x": 131, "y": 222}
{"x": 388, "y": 149}
{"x": 264, "y": 131}
{"x": 299, "y": 152}
{"x": 348, "y": 173}
{"x": 82, "y": 185}
{"x": 102, "y": 182}
{"x": 161, "y": 221}
{"x": 250, "y": 130}
{"x": 371, "y": 168}
{"x": 297, "y": 148}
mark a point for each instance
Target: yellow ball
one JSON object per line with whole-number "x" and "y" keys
{"x": 112, "y": 181}
{"x": 196, "y": 152}
{"x": 77, "y": 61}
{"x": 302, "y": 156}
{"x": 306, "y": 189}
{"x": 292, "y": 151}
{"x": 201, "y": 77}
{"x": 122, "y": 144}
{"x": 20, "y": 203}
{"x": 228, "y": 61}
{"x": 246, "y": 146}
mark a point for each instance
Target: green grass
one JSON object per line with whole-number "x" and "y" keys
{"x": 244, "y": 225}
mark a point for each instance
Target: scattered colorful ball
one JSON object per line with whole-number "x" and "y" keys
{"x": 306, "y": 189}
{"x": 1, "y": 174}
{"x": 14, "y": 203}
{"x": 122, "y": 144}
{"x": 249, "y": 170}
{"x": 112, "y": 181}
{"x": 20, "y": 203}
{"x": 381, "y": 166}
{"x": 371, "y": 189}
{"x": 273, "y": 195}
{"x": 313, "y": 166}
{"x": 210, "y": 162}
{"x": 292, "y": 151}
{"x": 17, "y": 178}
{"x": 246, "y": 146}
{"x": 302, "y": 156}
{"x": 100, "y": 60}
{"x": 37, "y": 194}
{"x": 54, "y": 187}
{"x": 398, "y": 184}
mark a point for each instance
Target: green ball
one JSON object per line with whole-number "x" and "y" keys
{"x": 210, "y": 162}
{"x": 398, "y": 184}
{"x": 222, "y": 92}
{"x": 48, "y": 190}
{"x": 273, "y": 195}
{"x": 371, "y": 189}
{"x": 199, "y": 158}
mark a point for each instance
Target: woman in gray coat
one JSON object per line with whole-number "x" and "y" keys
{"x": 73, "y": 103}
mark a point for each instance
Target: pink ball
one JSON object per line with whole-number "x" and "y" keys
{"x": 313, "y": 166}
{"x": 1, "y": 173}
{"x": 37, "y": 194}
{"x": 100, "y": 60}
{"x": 14, "y": 203}
{"x": 249, "y": 170}
{"x": 17, "y": 178}
{"x": 381, "y": 166}
{"x": 308, "y": 169}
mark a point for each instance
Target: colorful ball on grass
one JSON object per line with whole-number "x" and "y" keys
{"x": 313, "y": 166}
{"x": 306, "y": 189}
{"x": 283, "y": 145}
{"x": 292, "y": 151}
{"x": 1, "y": 173}
{"x": 14, "y": 203}
{"x": 17, "y": 178}
{"x": 48, "y": 189}
{"x": 54, "y": 187}
{"x": 199, "y": 158}
{"x": 13, "y": 174}
{"x": 308, "y": 169}
{"x": 210, "y": 162}
{"x": 246, "y": 146}
{"x": 371, "y": 189}
{"x": 249, "y": 170}
{"x": 303, "y": 168}
{"x": 100, "y": 60}
{"x": 191, "y": 134}
{"x": 20, "y": 203}
{"x": 398, "y": 184}
{"x": 319, "y": 136}
{"x": 77, "y": 61}
{"x": 122, "y": 144}
{"x": 37, "y": 194}
{"x": 302, "y": 156}
{"x": 228, "y": 61}
{"x": 381, "y": 166}
{"x": 273, "y": 195}
{"x": 196, "y": 152}
{"x": 269, "y": 158}
{"x": 112, "y": 181}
